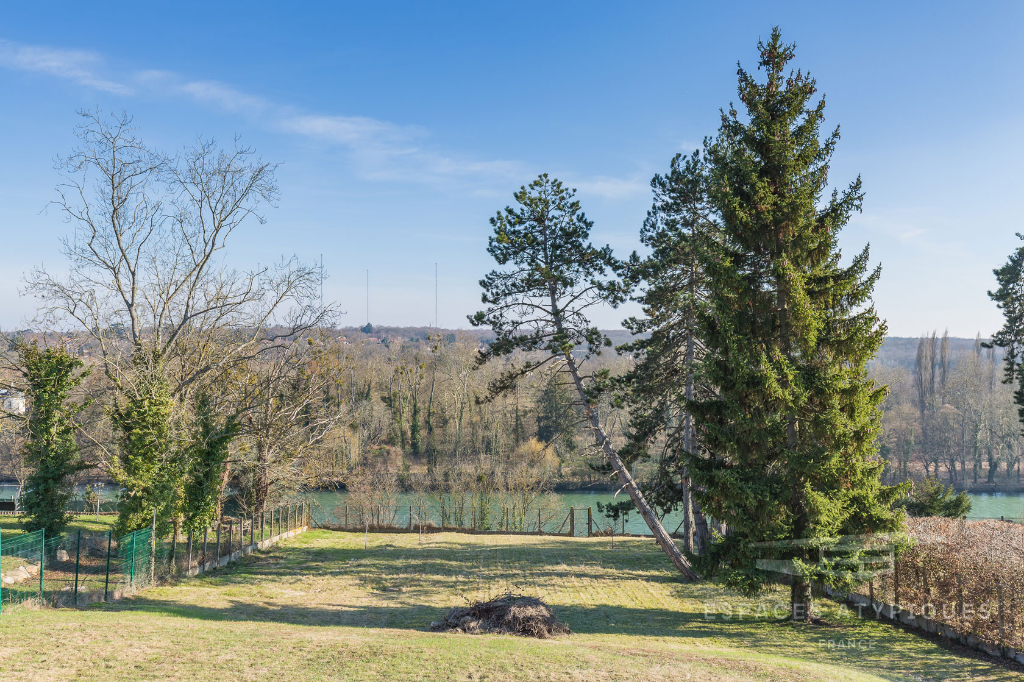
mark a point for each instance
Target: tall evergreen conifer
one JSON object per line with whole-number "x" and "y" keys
{"x": 790, "y": 460}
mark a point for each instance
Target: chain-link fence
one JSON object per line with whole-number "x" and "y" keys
{"x": 21, "y": 558}
{"x": 76, "y": 568}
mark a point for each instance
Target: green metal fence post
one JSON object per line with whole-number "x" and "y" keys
{"x": 263, "y": 525}
{"x": 216, "y": 564}
{"x": 42, "y": 563}
{"x": 131, "y": 574}
{"x": 1, "y": 574}
{"x": 78, "y": 561}
{"x": 206, "y": 550}
{"x": 152, "y": 550}
{"x": 174, "y": 551}
{"x": 106, "y": 581}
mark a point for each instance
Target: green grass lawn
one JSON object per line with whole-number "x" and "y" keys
{"x": 321, "y": 606}
{"x": 11, "y": 525}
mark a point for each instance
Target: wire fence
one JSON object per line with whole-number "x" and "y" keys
{"x": 80, "y": 567}
{"x": 539, "y": 520}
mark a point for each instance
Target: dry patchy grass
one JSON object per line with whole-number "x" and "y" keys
{"x": 320, "y": 606}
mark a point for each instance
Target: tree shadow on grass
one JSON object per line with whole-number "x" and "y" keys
{"x": 542, "y": 559}
{"x": 875, "y": 648}
{"x": 421, "y": 572}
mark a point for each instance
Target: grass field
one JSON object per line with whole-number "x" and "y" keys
{"x": 11, "y": 525}
{"x": 321, "y": 606}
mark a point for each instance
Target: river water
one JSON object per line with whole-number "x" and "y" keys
{"x": 328, "y": 506}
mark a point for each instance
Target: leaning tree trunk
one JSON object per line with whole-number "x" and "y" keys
{"x": 626, "y": 480}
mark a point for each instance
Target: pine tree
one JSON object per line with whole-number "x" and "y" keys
{"x": 790, "y": 431}
{"x": 51, "y": 450}
{"x": 667, "y": 350}
{"x": 550, "y": 275}
{"x": 1009, "y": 297}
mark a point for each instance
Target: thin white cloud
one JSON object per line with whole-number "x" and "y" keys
{"x": 353, "y": 131}
{"x": 78, "y": 66}
{"x": 379, "y": 150}
{"x": 215, "y": 93}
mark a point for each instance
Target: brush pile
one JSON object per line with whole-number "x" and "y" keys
{"x": 509, "y": 614}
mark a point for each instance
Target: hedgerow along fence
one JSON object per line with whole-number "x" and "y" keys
{"x": 571, "y": 521}
{"x": 962, "y": 574}
{"x": 76, "y": 568}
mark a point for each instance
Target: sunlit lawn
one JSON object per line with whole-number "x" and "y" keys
{"x": 320, "y": 606}
{"x": 11, "y": 525}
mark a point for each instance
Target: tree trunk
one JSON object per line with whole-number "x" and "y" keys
{"x": 700, "y": 528}
{"x": 688, "y": 438}
{"x": 261, "y": 486}
{"x": 628, "y": 484}
{"x": 800, "y": 599}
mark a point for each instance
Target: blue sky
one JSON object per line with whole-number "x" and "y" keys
{"x": 402, "y": 127}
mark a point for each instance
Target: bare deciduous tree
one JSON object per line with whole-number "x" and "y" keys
{"x": 145, "y": 267}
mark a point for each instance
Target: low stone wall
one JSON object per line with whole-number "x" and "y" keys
{"x": 245, "y": 551}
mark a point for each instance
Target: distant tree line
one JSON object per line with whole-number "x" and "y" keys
{"x": 950, "y": 417}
